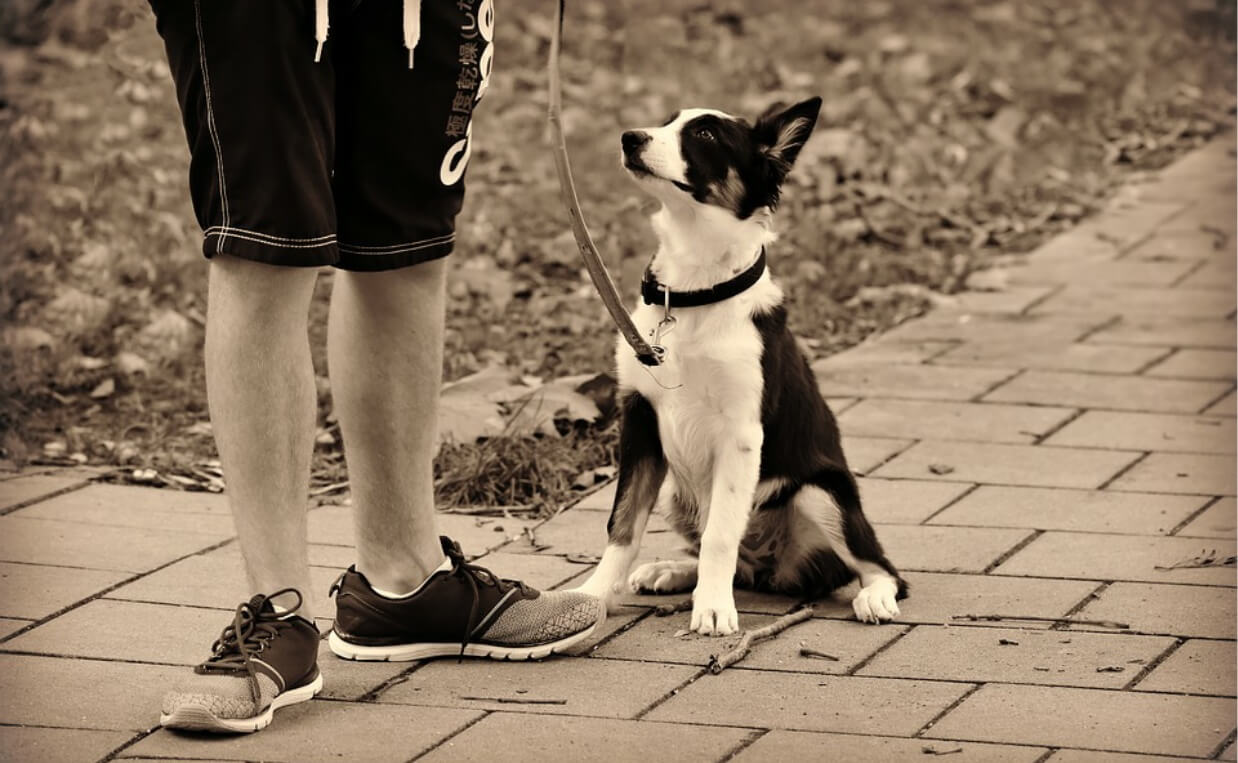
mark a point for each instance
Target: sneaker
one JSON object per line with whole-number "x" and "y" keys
{"x": 261, "y": 662}
{"x": 465, "y": 610}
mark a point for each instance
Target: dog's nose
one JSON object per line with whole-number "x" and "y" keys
{"x": 634, "y": 139}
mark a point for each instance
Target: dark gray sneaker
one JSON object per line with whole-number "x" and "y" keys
{"x": 466, "y": 611}
{"x": 261, "y": 662}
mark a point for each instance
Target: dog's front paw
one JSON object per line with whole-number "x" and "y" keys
{"x": 876, "y": 602}
{"x": 670, "y": 576}
{"x": 714, "y": 615}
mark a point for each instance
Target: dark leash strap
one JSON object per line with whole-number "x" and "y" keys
{"x": 650, "y": 355}
{"x": 655, "y": 293}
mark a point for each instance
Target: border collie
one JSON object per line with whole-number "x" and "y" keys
{"x": 730, "y": 436}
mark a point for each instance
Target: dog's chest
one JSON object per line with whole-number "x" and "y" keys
{"x": 707, "y": 389}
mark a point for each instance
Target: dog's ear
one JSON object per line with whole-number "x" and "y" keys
{"x": 782, "y": 132}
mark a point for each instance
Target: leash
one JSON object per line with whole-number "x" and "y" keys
{"x": 646, "y": 353}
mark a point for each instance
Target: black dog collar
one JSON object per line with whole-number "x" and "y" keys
{"x": 655, "y": 293}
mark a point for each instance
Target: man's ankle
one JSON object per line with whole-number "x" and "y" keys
{"x": 399, "y": 581}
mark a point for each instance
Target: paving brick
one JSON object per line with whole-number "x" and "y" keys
{"x": 589, "y": 686}
{"x": 322, "y": 730}
{"x": 756, "y": 602}
{"x": 780, "y": 744}
{"x": 349, "y": 679}
{"x": 538, "y": 570}
{"x": 1194, "y": 473}
{"x": 996, "y": 328}
{"x": 947, "y": 549}
{"x": 1102, "y": 299}
{"x": 1167, "y": 331}
{"x": 1132, "y": 270}
{"x": 617, "y": 619}
{"x": 85, "y": 694}
{"x": 938, "y": 598}
{"x": 1120, "y": 430}
{"x": 867, "y": 453}
{"x": 320, "y": 555}
{"x": 1179, "y": 610}
{"x": 1090, "y": 718}
{"x": 34, "y": 591}
{"x": 884, "y": 351}
{"x": 21, "y": 490}
{"x": 126, "y": 506}
{"x": 584, "y": 533}
{"x": 1125, "y": 222}
{"x": 1223, "y": 407}
{"x": 996, "y": 463}
{"x": 10, "y": 625}
{"x": 1060, "y": 355}
{"x": 1197, "y": 667}
{"x": 334, "y": 525}
{"x": 1012, "y": 299}
{"x": 1118, "y": 557}
{"x": 1217, "y": 274}
{"x": 600, "y": 500}
{"x": 1034, "y": 657}
{"x": 106, "y": 629}
{"x": 1093, "y": 756}
{"x": 549, "y": 738}
{"x": 31, "y": 744}
{"x": 906, "y": 501}
{"x": 1196, "y": 364}
{"x": 851, "y": 642}
{"x": 1130, "y": 393}
{"x": 920, "y": 382}
{"x": 215, "y": 580}
{"x": 68, "y": 544}
{"x": 810, "y": 702}
{"x": 917, "y": 419}
{"x": 1217, "y": 521}
{"x": 1075, "y": 510}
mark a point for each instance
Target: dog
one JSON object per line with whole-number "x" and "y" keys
{"x": 729, "y": 436}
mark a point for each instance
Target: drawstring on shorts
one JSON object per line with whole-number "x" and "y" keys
{"x": 412, "y": 27}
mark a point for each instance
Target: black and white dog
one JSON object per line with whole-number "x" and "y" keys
{"x": 730, "y": 435}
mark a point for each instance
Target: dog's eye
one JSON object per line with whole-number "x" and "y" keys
{"x": 704, "y": 133}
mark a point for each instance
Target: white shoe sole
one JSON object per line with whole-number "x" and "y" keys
{"x": 409, "y": 652}
{"x": 197, "y": 718}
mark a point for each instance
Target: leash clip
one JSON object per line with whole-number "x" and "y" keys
{"x": 664, "y": 327}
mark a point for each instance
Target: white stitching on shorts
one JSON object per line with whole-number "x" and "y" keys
{"x": 233, "y": 233}
{"x": 210, "y": 123}
{"x": 397, "y": 248}
{"x": 229, "y": 230}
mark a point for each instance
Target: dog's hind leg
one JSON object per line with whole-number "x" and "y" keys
{"x": 642, "y": 470}
{"x": 832, "y": 503}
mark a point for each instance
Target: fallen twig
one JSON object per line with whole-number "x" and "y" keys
{"x": 1039, "y": 619}
{"x": 517, "y": 700}
{"x": 1205, "y": 558}
{"x": 719, "y": 663}
{"x": 666, "y": 610}
{"x": 806, "y": 651}
{"x": 582, "y": 559}
{"x": 934, "y": 751}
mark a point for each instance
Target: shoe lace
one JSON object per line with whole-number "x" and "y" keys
{"x": 253, "y": 628}
{"x": 477, "y": 576}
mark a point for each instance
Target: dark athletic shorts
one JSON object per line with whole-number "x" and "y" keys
{"x": 356, "y": 161}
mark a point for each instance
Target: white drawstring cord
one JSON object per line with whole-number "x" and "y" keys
{"x": 412, "y": 27}
{"x": 320, "y": 27}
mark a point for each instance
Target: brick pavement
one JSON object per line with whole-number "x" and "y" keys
{"x": 1034, "y": 457}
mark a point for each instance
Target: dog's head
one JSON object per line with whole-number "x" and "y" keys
{"x": 713, "y": 158}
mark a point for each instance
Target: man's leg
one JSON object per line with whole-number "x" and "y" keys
{"x": 260, "y": 387}
{"x": 385, "y": 354}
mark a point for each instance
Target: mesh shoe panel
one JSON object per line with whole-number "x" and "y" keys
{"x": 551, "y": 616}
{"x": 225, "y": 696}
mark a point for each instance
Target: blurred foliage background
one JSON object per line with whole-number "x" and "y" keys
{"x": 955, "y": 135}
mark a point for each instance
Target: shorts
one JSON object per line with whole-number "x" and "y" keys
{"x": 356, "y": 161}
